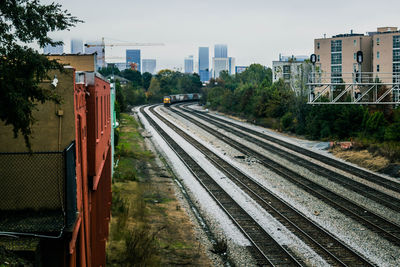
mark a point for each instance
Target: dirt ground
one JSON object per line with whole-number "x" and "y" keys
{"x": 369, "y": 161}
{"x": 149, "y": 226}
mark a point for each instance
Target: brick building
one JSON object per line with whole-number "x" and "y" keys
{"x": 55, "y": 202}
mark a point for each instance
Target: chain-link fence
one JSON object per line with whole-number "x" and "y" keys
{"x": 32, "y": 191}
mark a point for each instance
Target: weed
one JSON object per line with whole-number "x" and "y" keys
{"x": 141, "y": 246}
{"x": 220, "y": 247}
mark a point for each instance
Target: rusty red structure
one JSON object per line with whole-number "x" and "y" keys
{"x": 93, "y": 169}
{"x": 77, "y": 213}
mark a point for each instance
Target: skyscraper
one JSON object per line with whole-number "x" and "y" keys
{"x": 133, "y": 57}
{"x": 76, "y": 46}
{"x": 232, "y": 65}
{"x": 189, "y": 64}
{"x": 149, "y": 65}
{"x": 220, "y": 51}
{"x": 220, "y": 64}
{"x": 204, "y": 64}
{"x": 99, "y": 49}
{"x": 53, "y": 50}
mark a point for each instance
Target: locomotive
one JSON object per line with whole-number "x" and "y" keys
{"x": 171, "y": 99}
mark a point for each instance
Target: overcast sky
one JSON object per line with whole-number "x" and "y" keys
{"x": 256, "y": 31}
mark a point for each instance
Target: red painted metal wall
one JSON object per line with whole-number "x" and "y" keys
{"x": 93, "y": 168}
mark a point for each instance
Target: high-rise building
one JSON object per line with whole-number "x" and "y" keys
{"x": 188, "y": 64}
{"x": 220, "y": 64}
{"x": 99, "y": 50}
{"x": 133, "y": 57}
{"x": 220, "y": 51}
{"x": 76, "y": 46}
{"x": 53, "y": 50}
{"x": 149, "y": 65}
{"x": 231, "y": 65}
{"x": 204, "y": 64}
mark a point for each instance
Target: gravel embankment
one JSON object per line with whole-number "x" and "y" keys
{"x": 366, "y": 242}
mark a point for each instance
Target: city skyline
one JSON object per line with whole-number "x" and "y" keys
{"x": 256, "y": 31}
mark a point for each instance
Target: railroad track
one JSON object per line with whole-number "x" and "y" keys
{"x": 374, "y": 222}
{"x": 335, "y": 252}
{"x": 267, "y": 251}
{"x": 394, "y": 186}
{"x": 362, "y": 189}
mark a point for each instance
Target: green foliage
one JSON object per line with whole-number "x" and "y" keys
{"x": 252, "y": 95}
{"x": 109, "y": 70}
{"x": 146, "y": 80}
{"x": 287, "y": 121}
{"x": 375, "y": 125}
{"x": 120, "y": 103}
{"x": 22, "y": 68}
{"x": 134, "y": 76}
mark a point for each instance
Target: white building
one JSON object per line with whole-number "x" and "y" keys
{"x": 149, "y": 65}
{"x": 287, "y": 68}
{"x": 76, "y": 46}
{"x": 219, "y": 64}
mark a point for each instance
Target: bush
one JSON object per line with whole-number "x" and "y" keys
{"x": 287, "y": 121}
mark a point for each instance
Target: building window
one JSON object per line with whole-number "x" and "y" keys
{"x": 355, "y": 42}
{"x": 336, "y": 58}
{"x": 396, "y": 55}
{"x": 377, "y": 68}
{"x": 355, "y": 56}
{"x": 336, "y": 74}
{"x": 378, "y": 55}
{"x": 318, "y": 58}
{"x": 318, "y": 45}
{"x": 396, "y": 41}
{"x": 396, "y": 67}
{"x": 378, "y": 40}
{"x": 336, "y": 46}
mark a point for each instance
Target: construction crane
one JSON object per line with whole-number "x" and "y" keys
{"x": 103, "y": 45}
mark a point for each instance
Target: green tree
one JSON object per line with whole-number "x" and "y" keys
{"x": 154, "y": 92}
{"x": 146, "y": 80}
{"x": 22, "y": 68}
{"x": 105, "y": 71}
{"x": 132, "y": 75}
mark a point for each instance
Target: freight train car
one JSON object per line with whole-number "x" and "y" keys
{"x": 172, "y": 99}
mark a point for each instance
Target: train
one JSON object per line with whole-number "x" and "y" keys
{"x": 172, "y": 99}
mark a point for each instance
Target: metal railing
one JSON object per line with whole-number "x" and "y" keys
{"x": 37, "y": 192}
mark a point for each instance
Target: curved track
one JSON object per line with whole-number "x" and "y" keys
{"x": 268, "y": 251}
{"x": 327, "y": 160}
{"x": 328, "y": 247}
{"x": 369, "y": 219}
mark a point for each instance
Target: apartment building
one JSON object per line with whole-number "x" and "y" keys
{"x": 337, "y": 56}
{"x": 385, "y": 51}
{"x": 287, "y": 68}
{"x": 337, "y": 63}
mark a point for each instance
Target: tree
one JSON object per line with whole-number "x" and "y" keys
{"x": 146, "y": 80}
{"x": 22, "y": 68}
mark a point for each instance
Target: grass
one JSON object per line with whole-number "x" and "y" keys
{"x": 147, "y": 228}
{"x": 132, "y": 242}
